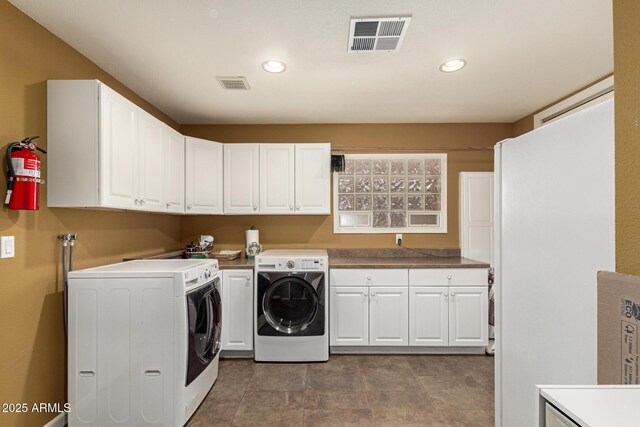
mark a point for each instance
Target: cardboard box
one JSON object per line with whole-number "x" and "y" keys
{"x": 618, "y": 328}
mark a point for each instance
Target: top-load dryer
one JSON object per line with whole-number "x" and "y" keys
{"x": 291, "y": 306}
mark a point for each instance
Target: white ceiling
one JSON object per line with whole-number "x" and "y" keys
{"x": 522, "y": 55}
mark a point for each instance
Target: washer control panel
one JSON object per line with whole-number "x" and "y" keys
{"x": 300, "y": 264}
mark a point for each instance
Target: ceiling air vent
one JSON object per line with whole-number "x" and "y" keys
{"x": 235, "y": 82}
{"x": 377, "y": 34}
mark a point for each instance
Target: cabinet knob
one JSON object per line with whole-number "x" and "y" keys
{"x": 449, "y": 277}
{"x": 453, "y": 294}
{"x": 189, "y": 206}
{"x": 365, "y": 294}
{"x": 373, "y": 294}
{"x": 290, "y": 208}
{"x": 446, "y": 294}
{"x": 168, "y": 205}
{"x": 255, "y": 208}
{"x": 142, "y": 201}
{"x": 297, "y": 207}
{"x": 368, "y": 277}
{"x": 136, "y": 201}
{"x": 247, "y": 278}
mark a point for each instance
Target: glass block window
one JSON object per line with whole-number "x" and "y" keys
{"x": 391, "y": 193}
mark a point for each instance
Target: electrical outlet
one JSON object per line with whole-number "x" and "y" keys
{"x": 399, "y": 239}
{"x": 7, "y": 247}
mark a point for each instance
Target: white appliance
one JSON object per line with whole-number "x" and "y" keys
{"x": 144, "y": 338}
{"x": 291, "y": 306}
{"x": 554, "y": 231}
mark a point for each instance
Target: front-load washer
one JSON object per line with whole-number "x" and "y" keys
{"x": 144, "y": 341}
{"x": 291, "y": 322}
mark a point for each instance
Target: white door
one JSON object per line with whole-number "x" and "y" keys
{"x": 468, "y": 311}
{"x": 203, "y": 176}
{"x": 151, "y": 162}
{"x": 313, "y": 178}
{"x": 237, "y": 310}
{"x": 118, "y": 150}
{"x": 349, "y": 315}
{"x": 476, "y": 216}
{"x": 389, "y": 316}
{"x": 241, "y": 172}
{"x": 276, "y": 178}
{"x": 428, "y": 316}
{"x": 173, "y": 171}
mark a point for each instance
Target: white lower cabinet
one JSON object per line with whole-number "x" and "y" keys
{"x": 237, "y": 310}
{"x": 429, "y": 316}
{"x": 369, "y": 307}
{"x": 388, "y": 316}
{"x": 349, "y": 308}
{"x": 399, "y": 307}
{"x": 468, "y": 316}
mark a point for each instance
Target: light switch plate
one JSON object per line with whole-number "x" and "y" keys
{"x": 7, "y": 246}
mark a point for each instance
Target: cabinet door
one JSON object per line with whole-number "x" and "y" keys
{"x": 276, "y": 178}
{"x": 237, "y": 310}
{"x": 174, "y": 171}
{"x": 389, "y": 316}
{"x": 241, "y": 171}
{"x": 203, "y": 176}
{"x": 428, "y": 316}
{"x": 349, "y": 308}
{"x": 118, "y": 150}
{"x": 151, "y": 162}
{"x": 313, "y": 178}
{"x": 468, "y": 316}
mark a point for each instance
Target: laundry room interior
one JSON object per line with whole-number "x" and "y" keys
{"x": 319, "y": 213}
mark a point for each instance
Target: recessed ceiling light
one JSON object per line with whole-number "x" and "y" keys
{"x": 274, "y": 66}
{"x": 453, "y": 65}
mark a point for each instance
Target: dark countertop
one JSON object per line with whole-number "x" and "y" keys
{"x": 409, "y": 262}
{"x": 432, "y": 261}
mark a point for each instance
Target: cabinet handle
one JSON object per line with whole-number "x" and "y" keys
{"x": 364, "y": 294}
{"x": 453, "y": 294}
{"x": 297, "y": 207}
{"x": 168, "y": 205}
{"x": 255, "y": 208}
{"x": 189, "y": 207}
{"x": 290, "y": 208}
{"x": 247, "y": 278}
{"x": 449, "y": 277}
{"x": 446, "y": 294}
{"x": 373, "y": 294}
{"x": 142, "y": 201}
{"x": 368, "y": 277}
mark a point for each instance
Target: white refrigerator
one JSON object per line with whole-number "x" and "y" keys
{"x": 554, "y": 229}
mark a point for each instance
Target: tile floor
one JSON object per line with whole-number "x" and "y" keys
{"x": 353, "y": 390}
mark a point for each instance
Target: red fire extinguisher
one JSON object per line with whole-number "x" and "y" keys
{"x": 23, "y": 175}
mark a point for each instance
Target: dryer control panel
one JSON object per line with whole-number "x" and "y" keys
{"x": 292, "y": 264}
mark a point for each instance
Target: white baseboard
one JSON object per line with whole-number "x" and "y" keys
{"x": 59, "y": 421}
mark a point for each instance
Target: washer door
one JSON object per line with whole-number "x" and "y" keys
{"x": 290, "y": 305}
{"x": 205, "y": 316}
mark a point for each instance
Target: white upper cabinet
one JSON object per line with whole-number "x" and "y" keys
{"x": 118, "y": 150}
{"x": 203, "y": 191}
{"x": 313, "y": 178}
{"x": 174, "y": 152}
{"x": 241, "y": 177}
{"x": 277, "y": 178}
{"x": 105, "y": 152}
{"x": 151, "y": 165}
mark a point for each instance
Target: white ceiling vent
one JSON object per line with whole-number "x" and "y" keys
{"x": 377, "y": 34}
{"x": 234, "y": 82}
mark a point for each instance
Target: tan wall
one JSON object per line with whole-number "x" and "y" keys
{"x": 317, "y": 231}
{"x": 32, "y": 360}
{"x": 626, "y": 15}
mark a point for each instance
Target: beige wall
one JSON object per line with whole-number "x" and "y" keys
{"x": 626, "y": 16}
{"x": 32, "y": 360}
{"x": 317, "y": 231}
